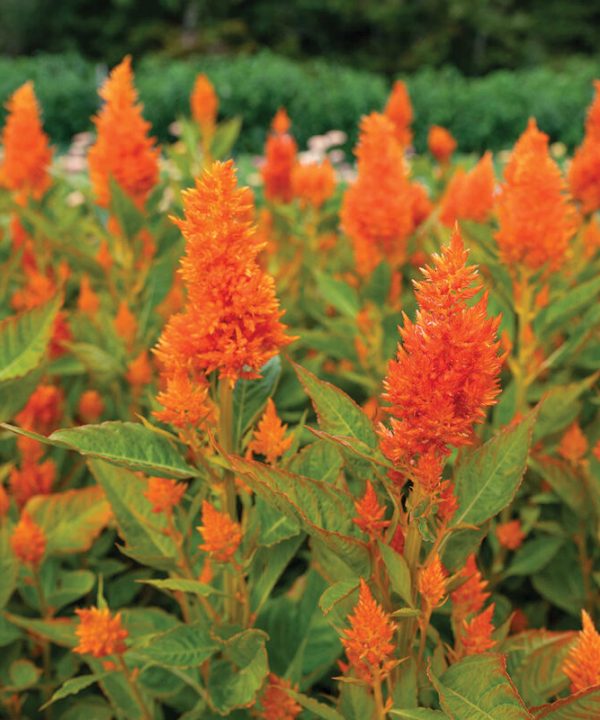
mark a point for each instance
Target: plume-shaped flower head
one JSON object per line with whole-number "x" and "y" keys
{"x": 584, "y": 173}
{"x": 582, "y": 664}
{"x": 123, "y": 149}
{"x": 28, "y": 541}
{"x": 469, "y": 195}
{"x": 100, "y": 633}
{"x": 222, "y": 535}
{"x": 204, "y": 103}
{"x": 441, "y": 144}
{"x": 399, "y": 110}
{"x": 280, "y": 159}
{"x": 270, "y": 436}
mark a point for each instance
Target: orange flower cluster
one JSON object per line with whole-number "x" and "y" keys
{"x": 432, "y": 582}
{"x": 469, "y": 195}
{"x": 222, "y": 535}
{"x": 204, "y": 104}
{"x": 573, "y": 445}
{"x": 276, "y": 702}
{"x": 4, "y": 501}
{"x": 477, "y": 633}
{"x": 100, "y": 633}
{"x": 164, "y": 494}
{"x": 368, "y": 640}
{"x": 471, "y": 596}
{"x": 584, "y": 174}
{"x": 441, "y": 144}
{"x": 123, "y": 149}
{"x": 88, "y": 301}
{"x": 582, "y": 664}
{"x": 370, "y": 513}
{"x": 269, "y": 437}
{"x": 510, "y": 534}
{"x": 535, "y": 216}
{"x": 33, "y": 478}
{"x": 399, "y": 110}
{"x": 91, "y": 406}
{"x": 43, "y": 411}
{"x": 231, "y": 321}
{"x": 280, "y": 159}
{"x": 446, "y": 370}
{"x": 313, "y": 183}
{"x": 28, "y": 541}
{"x": 377, "y": 209}
{"x": 27, "y": 153}
{"x": 139, "y": 371}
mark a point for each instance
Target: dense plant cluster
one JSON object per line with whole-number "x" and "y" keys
{"x": 325, "y": 448}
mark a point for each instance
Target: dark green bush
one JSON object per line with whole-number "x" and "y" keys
{"x": 488, "y": 112}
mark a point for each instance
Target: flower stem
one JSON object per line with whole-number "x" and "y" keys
{"x": 135, "y": 690}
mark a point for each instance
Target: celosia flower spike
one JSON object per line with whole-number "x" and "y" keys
{"x": 510, "y": 534}
{"x": 370, "y": 513}
{"x": 164, "y": 494}
{"x": 313, "y": 183}
{"x": 276, "y": 703}
{"x": 432, "y": 582}
{"x": 469, "y": 196}
{"x": 269, "y": 437}
{"x": 582, "y": 664}
{"x": 204, "y": 103}
{"x": 573, "y": 444}
{"x": 280, "y": 158}
{"x": 399, "y": 111}
{"x": 584, "y": 173}
{"x": 123, "y": 148}
{"x": 476, "y": 634}
{"x": 441, "y": 144}
{"x": 471, "y": 596}
{"x": 100, "y": 633}
{"x": 27, "y": 153}
{"x": 28, "y": 541}
{"x": 368, "y": 641}
{"x": 222, "y": 535}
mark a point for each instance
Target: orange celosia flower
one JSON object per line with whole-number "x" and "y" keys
{"x": 231, "y": 322}
{"x": 164, "y": 494}
{"x": 421, "y": 204}
{"x": 269, "y": 437}
{"x": 584, "y": 173}
{"x": 123, "y": 149}
{"x": 103, "y": 256}
{"x": 43, "y": 411}
{"x": 432, "y": 582}
{"x": 280, "y": 159}
{"x": 139, "y": 371}
{"x": 596, "y": 450}
{"x": 204, "y": 104}
{"x": 28, "y": 541}
{"x": 88, "y": 301}
{"x": 582, "y": 664}
{"x": 441, "y": 144}
{"x": 33, "y": 478}
{"x": 4, "y": 501}
{"x": 469, "y": 195}
{"x": 471, "y": 596}
{"x": 535, "y": 216}
{"x": 27, "y": 153}
{"x": 185, "y": 403}
{"x": 125, "y": 324}
{"x": 446, "y": 370}
{"x": 276, "y": 703}
{"x": 368, "y": 640}
{"x": 447, "y": 501}
{"x": 543, "y": 297}
{"x": 510, "y": 534}
{"x": 377, "y": 209}
{"x": 222, "y": 535}
{"x": 476, "y": 634}
{"x": 100, "y": 633}
{"x": 313, "y": 183}
{"x": 399, "y": 111}
{"x": 91, "y": 406}
{"x": 370, "y": 513}
{"x": 573, "y": 444}
{"x": 591, "y": 238}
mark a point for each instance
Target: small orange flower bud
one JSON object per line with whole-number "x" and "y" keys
{"x": 88, "y": 301}
{"x": 43, "y": 410}
{"x": 573, "y": 444}
{"x": 4, "y": 501}
{"x": 164, "y": 494}
{"x": 139, "y": 372}
{"x": 100, "y": 633}
{"x": 477, "y": 633}
{"x": 32, "y": 479}
{"x": 441, "y": 143}
{"x": 280, "y": 158}
{"x": 185, "y": 403}
{"x": 269, "y": 437}
{"x": 370, "y": 513}
{"x": 125, "y": 324}
{"x": 399, "y": 111}
{"x": 28, "y": 541}
{"x": 91, "y": 406}
{"x": 103, "y": 256}
{"x": 275, "y": 702}
{"x": 510, "y": 535}
{"x": 204, "y": 103}
{"x": 432, "y": 582}
{"x": 582, "y": 664}
{"x": 222, "y": 535}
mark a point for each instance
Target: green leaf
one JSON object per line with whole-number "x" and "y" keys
{"x": 138, "y": 525}
{"x": 125, "y": 210}
{"x": 534, "y": 555}
{"x": 73, "y": 686}
{"x": 339, "y": 294}
{"x": 562, "y": 582}
{"x": 274, "y": 527}
{"x": 583, "y": 706}
{"x": 183, "y": 646}
{"x": 23, "y": 674}
{"x": 460, "y": 545}
{"x": 560, "y": 407}
{"x": 235, "y": 680}
{"x": 320, "y": 460}
{"x": 419, "y": 714}
{"x": 8, "y": 565}
{"x": 565, "y": 483}
{"x": 69, "y": 586}
{"x": 60, "y": 631}
{"x": 322, "y": 510}
{"x": 15, "y": 393}
{"x": 337, "y": 413}
{"x": 320, "y": 710}
{"x": 250, "y": 396}
{"x": 225, "y": 136}
{"x": 487, "y": 478}
{"x": 182, "y": 585}
{"x": 478, "y": 688}
{"x": 398, "y": 572}
{"x": 268, "y": 565}
{"x": 339, "y": 600}
{"x": 8, "y": 632}
{"x": 570, "y": 304}
{"x": 71, "y": 520}
{"x": 128, "y": 444}
{"x": 24, "y": 339}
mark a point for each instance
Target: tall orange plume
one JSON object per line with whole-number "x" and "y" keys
{"x": 27, "y": 153}
{"x": 222, "y": 535}
{"x": 441, "y": 144}
{"x": 377, "y": 209}
{"x": 280, "y": 159}
{"x": 432, "y": 582}
{"x": 470, "y": 597}
{"x": 584, "y": 173}
{"x": 270, "y": 436}
{"x": 535, "y": 216}
{"x": 582, "y": 664}
{"x": 399, "y": 110}
{"x": 446, "y": 372}
{"x": 370, "y": 514}
{"x": 123, "y": 148}
{"x": 204, "y": 103}
{"x": 477, "y": 633}
{"x": 469, "y": 195}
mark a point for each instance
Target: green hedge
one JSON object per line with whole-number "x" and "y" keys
{"x": 488, "y": 112}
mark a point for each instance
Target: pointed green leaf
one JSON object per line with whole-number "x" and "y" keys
{"x": 338, "y": 294}
{"x": 319, "y": 709}
{"x": 583, "y": 706}
{"x": 398, "y": 572}
{"x": 560, "y": 407}
{"x": 182, "y": 585}
{"x": 534, "y": 555}
{"x": 183, "y": 646}
{"x": 250, "y": 396}
{"x": 8, "y": 565}
{"x": 419, "y": 714}
{"x": 73, "y": 686}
